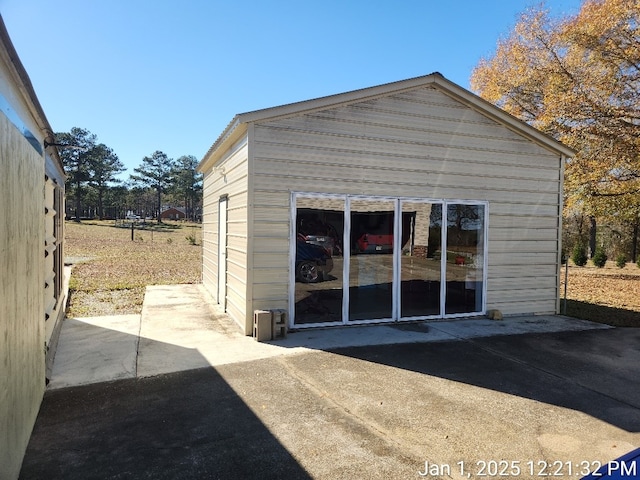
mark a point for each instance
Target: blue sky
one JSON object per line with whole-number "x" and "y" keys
{"x": 147, "y": 75}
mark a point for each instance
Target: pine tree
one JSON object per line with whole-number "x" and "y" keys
{"x": 156, "y": 172}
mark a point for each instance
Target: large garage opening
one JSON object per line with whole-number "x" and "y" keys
{"x": 358, "y": 259}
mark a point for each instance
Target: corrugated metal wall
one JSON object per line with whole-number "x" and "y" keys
{"x": 228, "y": 178}
{"x": 415, "y": 144}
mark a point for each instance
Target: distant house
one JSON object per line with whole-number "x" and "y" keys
{"x": 173, "y": 213}
{"x": 413, "y": 200}
{"x": 32, "y": 296}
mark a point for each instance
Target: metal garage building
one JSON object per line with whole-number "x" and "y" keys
{"x": 410, "y": 200}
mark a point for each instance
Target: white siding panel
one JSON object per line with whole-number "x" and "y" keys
{"x": 438, "y": 122}
{"x": 516, "y": 234}
{"x": 277, "y": 246}
{"x": 502, "y": 283}
{"x": 518, "y": 271}
{"x": 272, "y": 160}
{"x": 271, "y": 260}
{"x": 375, "y": 149}
{"x": 521, "y": 295}
{"x": 412, "y": 186}
{"x": 518, "y": 222}
{"x": 232, "y": 181}
{"x": 550, "y": 211}
{"x": 537, "y": 307}
{"x": 523, "y": 260}
{"x": 272, "y": 192}
{"x": 386, "y": 154}
{"x": 523, "y": 246}
{"x": 266, "y": 276}
{"x": 272, "y": 296}
{"x": 474, "y": 175}
{"x": 266, "y": 228}
{"x": 271, "y": 198}
{"x": 210, "y": 233}
{"x": 269, "y": 214}
{"x": 416, "y": 144}
{"x": 407, "y": 133}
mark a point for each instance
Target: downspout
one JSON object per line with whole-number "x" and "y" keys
{"x": 563, "y": 160}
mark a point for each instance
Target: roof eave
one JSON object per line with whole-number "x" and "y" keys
{"x": 332, "y": 101}
{"x": 235, "y": 129}
{"x": 239, "y": 122}
{"x": 500, "y": 116}
{"x": 27, "y": 91}
{"x": 237, "y": 126}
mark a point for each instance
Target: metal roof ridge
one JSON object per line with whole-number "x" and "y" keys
{"x": 445, "y": 85}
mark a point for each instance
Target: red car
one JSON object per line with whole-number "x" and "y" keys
{"x": 372, "y": 243}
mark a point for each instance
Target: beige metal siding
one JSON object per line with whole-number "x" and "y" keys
{"x": 22, "y": 335}
{"x": 228, "y": 177}
{"x": 415, "y": 144}
{"x": 32, "y": 297}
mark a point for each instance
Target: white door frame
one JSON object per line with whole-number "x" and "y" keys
{"x": 396, "y": 313}
{"x": 223, "y": 204}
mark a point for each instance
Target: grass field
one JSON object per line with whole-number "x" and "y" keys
{"x": 607, "y": 295}
{"x": 111, "y": 272}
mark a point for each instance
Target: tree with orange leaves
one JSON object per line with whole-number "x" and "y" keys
{"x": 578, "y": 79}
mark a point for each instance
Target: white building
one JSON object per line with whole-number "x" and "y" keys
{"x": 432, "y": 202}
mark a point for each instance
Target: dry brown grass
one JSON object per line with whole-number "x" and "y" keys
{"x": 607, "y": 295}
{"x": 110, "y": 271}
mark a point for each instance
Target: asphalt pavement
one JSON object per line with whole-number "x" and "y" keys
{"x": 511, "y": 405}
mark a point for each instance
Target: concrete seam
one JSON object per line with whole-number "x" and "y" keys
{"x": 135, "y": 374}
{"x": 378, "y": 432}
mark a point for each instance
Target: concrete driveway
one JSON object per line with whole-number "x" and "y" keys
{"x": 464, "y": 405}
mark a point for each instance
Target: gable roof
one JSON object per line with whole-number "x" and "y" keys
{"x": 238, "y": 125}
{"x": 177, "y": 209}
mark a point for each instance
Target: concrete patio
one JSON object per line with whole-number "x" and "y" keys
{"x": 180, "y": 329}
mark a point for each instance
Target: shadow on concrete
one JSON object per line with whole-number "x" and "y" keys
{"x": 618, "y": 317}
{"x": 193, "y": 424}
{"x": 596, "y": 372}
{"x": 181, "y": 425}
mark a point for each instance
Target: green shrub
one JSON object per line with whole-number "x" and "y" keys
{"x": 563, "y": 257}
{"x": 74, "y": 284}
{"x": 621, "y": 260}
{"x": 599, "y": 258}
{"x": 191, "y": 239}
{"x": 579, "y": 255}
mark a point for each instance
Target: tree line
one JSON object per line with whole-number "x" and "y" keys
{"x": 577, "y": 78}
{"x": 95, "y": 191}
